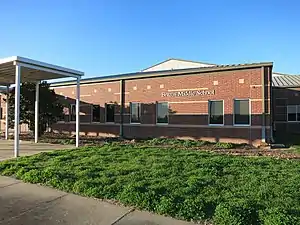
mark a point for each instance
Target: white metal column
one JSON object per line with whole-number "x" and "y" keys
{"x": 6, "y": 113}
{"x": 77, "y": 111}
{"x": 17, "y": 109}
{"x": 36, "y": 112}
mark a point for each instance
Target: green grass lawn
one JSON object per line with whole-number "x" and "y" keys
{"x": 186, "y": 184}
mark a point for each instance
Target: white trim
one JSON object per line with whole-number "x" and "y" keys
{"x": 17, "y": 110}
{"x": 250, "y": 115}
{"x": 7, "y": 112}
{"x": 28, "y": 61}
{"x": 156, "y": 113}
{"x": 255, "y": 85}
{"x": 36, "y": 113}
{"x": 218, "y": 125}
{"x": 140, "y": 112}
{"x": 259, "y": 99}
{"x": 77, "y": 111}
{"x": 49, "y": 70}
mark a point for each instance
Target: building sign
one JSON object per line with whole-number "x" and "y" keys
{"x": 191, "y": 93}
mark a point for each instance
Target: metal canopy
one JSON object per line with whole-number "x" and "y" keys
{"x": 32, "y": 70}
{"x": 15, "y": 70}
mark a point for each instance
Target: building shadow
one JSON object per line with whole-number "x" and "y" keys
{"x": 185, "y": 126}
{"x": 286, "y": 127}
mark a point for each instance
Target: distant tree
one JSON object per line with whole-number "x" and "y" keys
{"x": 50, "y": 106}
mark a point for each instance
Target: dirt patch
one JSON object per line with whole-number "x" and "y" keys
{"x": 284, "y": 154}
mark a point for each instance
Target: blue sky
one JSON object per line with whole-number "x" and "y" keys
{"x": 108, "y": 37}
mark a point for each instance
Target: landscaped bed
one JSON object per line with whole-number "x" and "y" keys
{"x": 186, "y": 184}
{"x": 293, "y": 152}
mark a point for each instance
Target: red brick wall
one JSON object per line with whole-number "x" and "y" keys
{"x": 188, "y": 115}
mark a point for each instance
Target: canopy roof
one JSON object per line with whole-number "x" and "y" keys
{"x": 32, "y": 70}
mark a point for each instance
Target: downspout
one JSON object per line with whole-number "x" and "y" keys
{"x": 271, "y": 105}
{"x": 263, "y": 129}
{"x": 122, "y": 97}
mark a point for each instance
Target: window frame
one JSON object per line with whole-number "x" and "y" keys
{"x": 92, "y": 114}
{"x": 140, "y": 112}
{"x": 250, "y": 115}
{"x": 156, "y": 116}
{"x": 216, "y": 125}
{"x": 106, "y": 113}
{"x": 287, "y": 114}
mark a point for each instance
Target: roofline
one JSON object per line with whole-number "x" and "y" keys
{"x": 162, "y": 73}
{"x": 179, "y": 60}
{"x": 288, "y": 86}
{"x": 32, "y": 62}
{"x": 285, "y": 74}
{"x": 186, "y": 60}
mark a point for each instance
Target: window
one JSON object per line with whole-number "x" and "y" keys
{"x": 293, "y": 112}
{"x": 216, "y": 112}
{"x": 96, "y": 113}
{"x": 110, "y": 113}
{"x": 65, "y": 115}
{"x": 162, "y": 112}
{"x": 241, "y": 112}
{"x": 135, "y": 112}
{"x": 73, "y": 112}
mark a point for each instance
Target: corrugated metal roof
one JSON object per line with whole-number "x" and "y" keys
{"x": 286, "y": 80}
{"x": 128, "y": 76}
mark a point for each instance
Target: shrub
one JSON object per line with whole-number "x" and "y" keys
{"x": 278, "y": 216}
{"x": 236, "y": 213}
{"x": 225, "y": 145}
{"x": 32, "y": 176}
{"x": 193, "y": 209}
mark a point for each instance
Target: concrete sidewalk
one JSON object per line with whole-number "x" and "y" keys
{"x": 27, "y": 204}
{"x": 27, "y": 148}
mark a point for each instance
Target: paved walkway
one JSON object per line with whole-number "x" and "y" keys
{"x": 27, "y": 148}
{"x": 27, "y": 204}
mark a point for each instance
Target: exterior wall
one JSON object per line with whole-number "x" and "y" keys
{"x": 174, "y": 64}
{"x": 282, "y": 97}
{"x": 188, "y": 115}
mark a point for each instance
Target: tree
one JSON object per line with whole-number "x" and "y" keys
{"x": 50, "y": 106}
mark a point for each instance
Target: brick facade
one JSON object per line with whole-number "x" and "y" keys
{"x": 188, "y": 115}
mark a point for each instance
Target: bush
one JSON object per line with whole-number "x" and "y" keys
{"x": 236, "y": 213}
{"x": 176, "y": 142}
{"x": 277, "y": 216}
{"x": 225, "y": 145}
{"x": 193, "y": 209}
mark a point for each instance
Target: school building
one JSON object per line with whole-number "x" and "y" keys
{"x": 243, "y": 103}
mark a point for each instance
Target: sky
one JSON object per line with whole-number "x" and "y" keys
{"x": 105, "y": 37}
